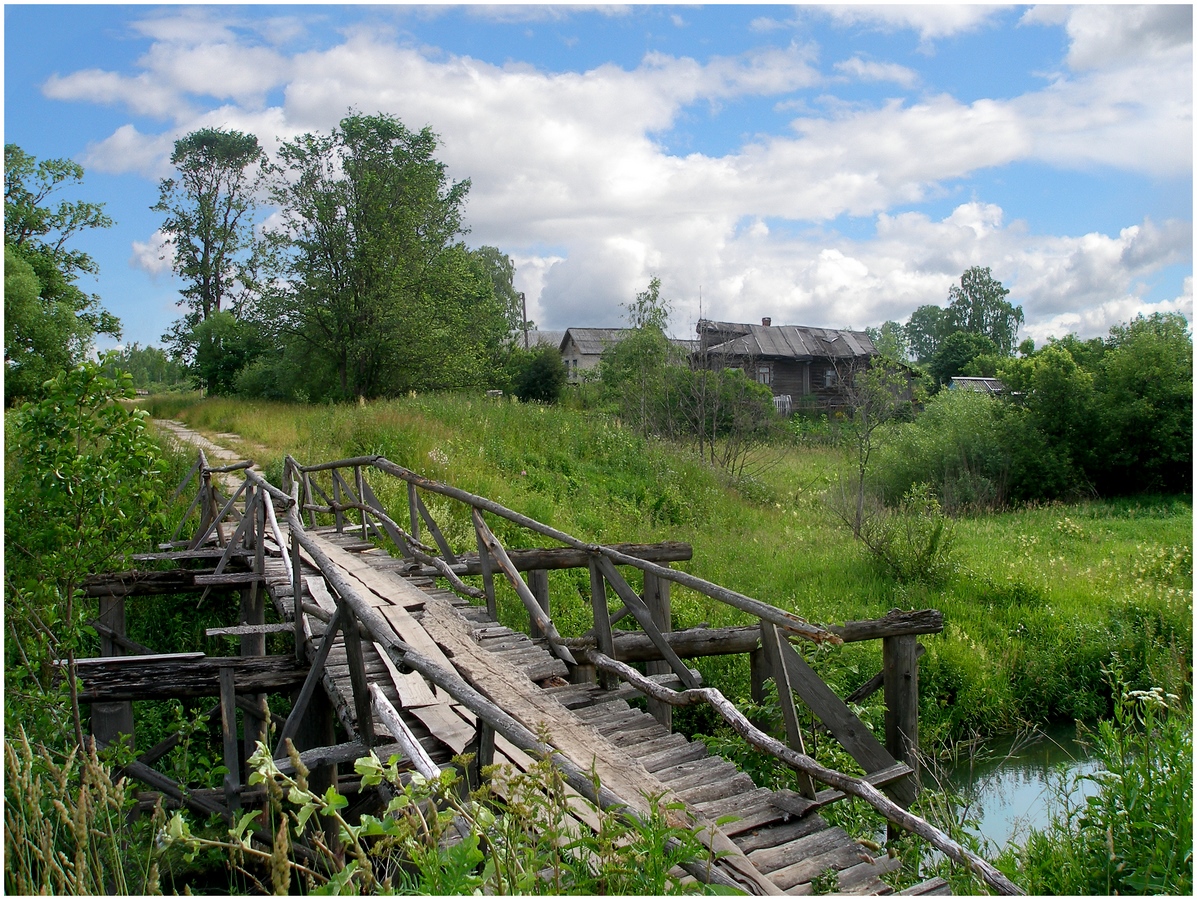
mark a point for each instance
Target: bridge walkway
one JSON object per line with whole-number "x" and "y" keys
{"x": 780, "y": 834}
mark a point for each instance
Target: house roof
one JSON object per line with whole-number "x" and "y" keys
{"x": 593, "y": 341}
{"x": 979, "y": 385}
{"x": 799, "y": 342}
{"x": 540, "y": 339}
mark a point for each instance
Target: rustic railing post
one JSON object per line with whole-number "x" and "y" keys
{"x": 602, "y": 626}
{"x": 488, "y": 577}
{"x": 656, "y": 595}
{"x": 538, "y": 584}
{"x": 357, "y": 676}
{"x": 339, "y": 517}
{"x": 361, "y": 498}
{"x": 297, "y": 583}
{"x": 901, "y": 667}
{"x": 413, "y": 509}
{"x": 771, "y": 643}
{"x": 228, "y": 729}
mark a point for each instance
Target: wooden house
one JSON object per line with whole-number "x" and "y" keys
{"x": 582, "y": 348}
{"x": 808, "y": 365}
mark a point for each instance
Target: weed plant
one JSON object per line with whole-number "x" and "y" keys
{"x": 65, "y": 829}
{"x": 520, "y": 833}
{"x": 1135, "y": 834}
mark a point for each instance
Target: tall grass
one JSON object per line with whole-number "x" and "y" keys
{"x": 1135, "y": 835}
{"x": 65, "y": 829}
{"x": 1039, "y": 599}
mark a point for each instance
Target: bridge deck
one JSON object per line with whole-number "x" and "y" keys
{"x": 778, "y": 839}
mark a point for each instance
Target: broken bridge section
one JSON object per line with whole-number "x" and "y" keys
{"x": 404, "y": 666}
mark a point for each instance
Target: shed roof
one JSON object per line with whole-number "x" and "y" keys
{"x": 537, "y": 338}
{"x": 593, "y": 341}
{"x": 796, "y": 342}
{"x": 979, "y": 385}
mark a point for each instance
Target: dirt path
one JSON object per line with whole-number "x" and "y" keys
{"x": 216, "y": 454}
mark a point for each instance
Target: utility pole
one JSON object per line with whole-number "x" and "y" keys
{"x": 524, "y": 307}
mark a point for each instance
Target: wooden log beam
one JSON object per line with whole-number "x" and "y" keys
{"x": 893, "y": 624}
{"x": 850, "y": 785}
{"x": 636, "y": 646}
{"x": 138, "y": 583}
{"x": 169, "y": 676}
{"x": 529, "y": 559}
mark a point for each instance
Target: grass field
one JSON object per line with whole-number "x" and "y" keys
{"x": 1038, "y": 602}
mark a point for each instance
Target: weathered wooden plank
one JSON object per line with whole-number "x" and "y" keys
{"x": 892, "y": 624}
{"x": 618, "y": 772}
{"x": 864, "y": 874}
{"x": 687, "y": 751}
{"x": 773, "y": 859}
{"x": 711, "y": 767}
{"x": 700, "y": 790}
{"x": 156, "y": 678}
{"x": 932, "y": 887}
{"x": 783, "y": 833}
{"x": 808, "y": 869}
{"x": 756, "y": 816}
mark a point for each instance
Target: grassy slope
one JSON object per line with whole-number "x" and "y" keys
{"x": 1042, "y": 599}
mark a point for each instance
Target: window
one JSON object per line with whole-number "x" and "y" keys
{"x": 829, "y": 377}
{"x": 764, "y": 373}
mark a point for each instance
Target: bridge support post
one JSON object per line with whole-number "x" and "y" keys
{"x": 656, "y": 596}
{"x": 602, "y": 626}
{"x": 111, "y": 719}
{"x": 253, "y": 610}
{"x": 900, "y": 665}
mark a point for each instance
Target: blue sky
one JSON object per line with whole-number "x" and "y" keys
{"x": 834, "y": 166}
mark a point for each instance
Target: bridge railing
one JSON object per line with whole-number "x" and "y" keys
{"x": 355, "y": 619}
{"x": 341, "y": 492}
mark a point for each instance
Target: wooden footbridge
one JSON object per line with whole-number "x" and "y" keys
{"x": 395, "y": 653}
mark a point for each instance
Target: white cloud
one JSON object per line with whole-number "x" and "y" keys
{"x": 1110, "y": 36}
{"x": 128, "y": 150}
{"x": 153, "y": 256}
{"x": 931, "y": 22}
{"x": 574, "y": 162}
{"x": 867, "y": 70}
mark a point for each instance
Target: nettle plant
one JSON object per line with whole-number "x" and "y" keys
{"x": 513, "y": 835}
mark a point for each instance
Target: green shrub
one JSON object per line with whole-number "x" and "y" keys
{"x": 1134, "y": 836}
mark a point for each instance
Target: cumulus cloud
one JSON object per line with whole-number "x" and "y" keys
{"x": 867, "y": 70}
{"x": 128, "y": 150}
{"x": 931, "y": 22}
{"x": 1110, "y": 36}
{"x": 570, "y": 175}
{"x": 153, "y": 256}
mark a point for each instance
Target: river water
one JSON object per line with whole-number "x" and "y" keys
{"x": 1009, "y": 786}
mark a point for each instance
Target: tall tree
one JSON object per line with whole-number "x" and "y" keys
{"x": 373, "y": 277}
{"x": 49, "y": 321}
{"x": 501, "y": 270}
{"x": 978, "y": 305}
{"x": 891, "y": 341}
{"x": 924, "y": 331}
{"x": 209, "y": 211}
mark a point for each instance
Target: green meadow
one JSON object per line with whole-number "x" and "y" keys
{"x": 1038, "y": 603}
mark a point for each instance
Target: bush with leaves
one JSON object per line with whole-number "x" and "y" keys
{"x": 539, "y": 375}
{"x": 82, "y": 493}
{"x": 517, "y": 834}
{"x": 1135, "y": 834}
